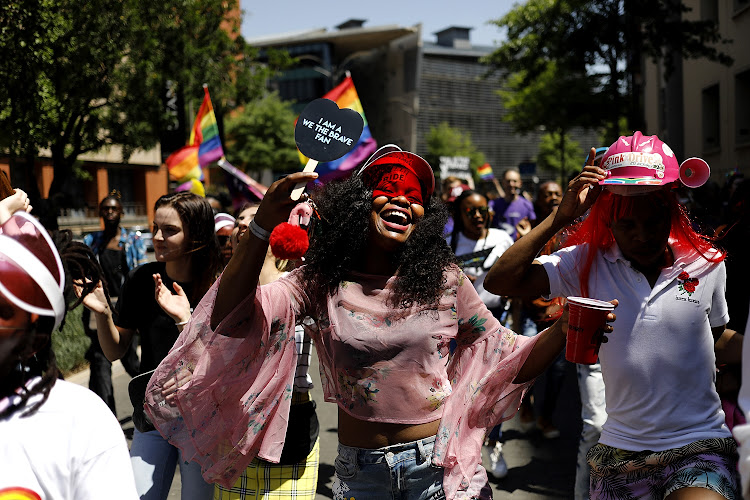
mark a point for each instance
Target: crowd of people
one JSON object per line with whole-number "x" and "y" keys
{"x": 437, "y": 313}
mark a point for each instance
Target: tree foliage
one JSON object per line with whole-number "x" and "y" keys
{"x": 83, "y": 75}
{"x": 261, "y": 135}
{"x": 444, "y": 140}
{"x": 594, "y": 49}
{"x": 549, "y": 157}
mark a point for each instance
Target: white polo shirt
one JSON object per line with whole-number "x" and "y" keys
{"x": 659, "y": 366}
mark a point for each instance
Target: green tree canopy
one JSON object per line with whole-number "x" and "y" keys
{"x": 596, "y": 48}
{"x": 82, "y": 75}
{"x": 444, "y": 140}
{"x": 549, "y": 157}
{"x": 261, "y": 135}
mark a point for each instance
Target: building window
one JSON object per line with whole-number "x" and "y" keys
{"x": 710, "y": 10}
{"x": 742, "y": 107}
{"x": 711, "y": 115}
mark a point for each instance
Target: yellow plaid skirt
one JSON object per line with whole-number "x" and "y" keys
{"x": 264, "y": 480}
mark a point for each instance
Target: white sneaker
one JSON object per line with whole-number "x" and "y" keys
{"x": 498, "y": 467}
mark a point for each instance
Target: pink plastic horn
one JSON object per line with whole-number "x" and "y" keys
{"x": 694, "y": 172}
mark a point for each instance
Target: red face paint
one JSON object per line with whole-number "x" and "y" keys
{"x": 399, "y": 181}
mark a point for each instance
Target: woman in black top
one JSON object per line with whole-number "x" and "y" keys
{"x": 187, "y": 258}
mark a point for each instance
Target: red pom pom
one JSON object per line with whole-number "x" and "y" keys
{"x": 289, "y": 241}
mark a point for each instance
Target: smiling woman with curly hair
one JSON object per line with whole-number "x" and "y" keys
{"x": 345, "y": 209}
{"x": 386, "y": 302}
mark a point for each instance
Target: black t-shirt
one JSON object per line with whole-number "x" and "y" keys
{"x": 115, "y": 266}
{"x": 138, "y": 310}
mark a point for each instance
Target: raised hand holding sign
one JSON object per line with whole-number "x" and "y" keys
{"x": 324, "y": 133}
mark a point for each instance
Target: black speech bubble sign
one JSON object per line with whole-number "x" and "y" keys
{"x": 324, "y": 132}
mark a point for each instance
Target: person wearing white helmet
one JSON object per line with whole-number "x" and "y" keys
{"x": 223, "y": 226}
{"x": 665, "y": 435}
{"x": 57, "y": 440}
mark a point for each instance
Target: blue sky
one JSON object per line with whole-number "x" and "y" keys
{"x": 271, "y": 17}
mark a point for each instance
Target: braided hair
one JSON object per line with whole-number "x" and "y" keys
{"x": 113, "y": 195}
{"x": 80, "y": 265}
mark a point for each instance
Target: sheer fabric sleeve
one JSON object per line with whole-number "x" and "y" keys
{"x": 235, "y": 382}
{"x": 487, "y": 359}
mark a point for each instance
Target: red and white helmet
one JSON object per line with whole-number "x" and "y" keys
{"x": 637, "y": 164}
{"x": 31, "y": 272}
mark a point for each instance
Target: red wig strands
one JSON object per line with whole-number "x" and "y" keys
{"x": 595, "y": 230}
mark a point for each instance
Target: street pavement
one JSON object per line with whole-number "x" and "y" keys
{"x": 539, "y": 468}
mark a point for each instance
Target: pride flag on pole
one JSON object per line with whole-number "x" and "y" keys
{"x": 345, "y": 96}
{"x": 205, "y": 133}
{"x": 203, "y": 147}
{"x": 485, "y": 172}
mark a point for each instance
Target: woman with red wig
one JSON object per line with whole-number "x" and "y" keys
{"x": 665, "y": 434}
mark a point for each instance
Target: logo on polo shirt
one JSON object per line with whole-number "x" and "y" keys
{"x": 687, "y": 284}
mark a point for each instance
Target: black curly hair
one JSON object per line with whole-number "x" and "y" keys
{"x": 80, "y": 264}
{"x": 342, "y": 233}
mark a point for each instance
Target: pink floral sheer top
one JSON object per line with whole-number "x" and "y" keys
{"x": 454, "y": 363}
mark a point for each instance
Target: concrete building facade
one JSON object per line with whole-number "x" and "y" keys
{"x": 703, "y": 109}
{"x": 406, "y": 85}
{"x": 142, "y": 180}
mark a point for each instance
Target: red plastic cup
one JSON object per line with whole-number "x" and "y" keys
{"x": 586, "y": 321}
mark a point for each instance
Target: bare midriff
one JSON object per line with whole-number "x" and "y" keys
{"x": 371, "y": 435}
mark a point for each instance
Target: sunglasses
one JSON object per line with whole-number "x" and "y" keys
{"x": 222, "y": 240}
{"x": 483, "y": 211}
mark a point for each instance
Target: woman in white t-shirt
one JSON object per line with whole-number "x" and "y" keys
{"x": 477, "y": 246}
{"x": 665, "y": 434}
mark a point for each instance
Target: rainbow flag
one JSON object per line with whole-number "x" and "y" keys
{"x": 485, "y": 172}
{"x": 183, "y": 164}
{"x": 345, "y": 96}
{"x": 205, "y": 133}
{"x": 194, "y": 186}
{"x": 203, "y": 147}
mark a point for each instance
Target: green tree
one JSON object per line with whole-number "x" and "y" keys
{"x": 549, "y": 157}
{"x": 83, "y": 75}
{"x": 557, "y": 100}
{"x": 601, "y": 44}
{"x": 261, "y": 135}
{"x": 444, "y": 140}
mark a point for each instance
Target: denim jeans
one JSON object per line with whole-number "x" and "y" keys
{"x": 403, "y": 471}
{"x": 154, "y": 461}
